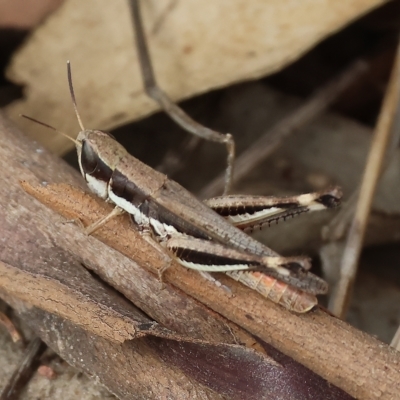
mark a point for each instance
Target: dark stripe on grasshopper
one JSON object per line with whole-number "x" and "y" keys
{"x": 93, "y": 165}
{"x": 203, "y": 258}
{"x": 154, "y": 210}
{"x": 299, "y": 278}
{"x": 251, "y": 209}
{"x": 122, "y": 187}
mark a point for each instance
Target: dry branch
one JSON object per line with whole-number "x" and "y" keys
{"x": 90, "y": 324}
{"x": 369, "y": 367}
{"x": 310, "y": 339}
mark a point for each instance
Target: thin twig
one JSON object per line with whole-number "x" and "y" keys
{"x": 268, "y": 143}
{"x": 12, "y": 330}
{"x": 337, "y": 227}
{"x": 373, "y": 168}
{"x": 25, "y": 369}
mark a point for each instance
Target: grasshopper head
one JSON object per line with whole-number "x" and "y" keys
{"x": 98, "y": 155}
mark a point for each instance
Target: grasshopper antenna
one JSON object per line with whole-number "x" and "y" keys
{"x": 52, "y": 128}
{"x": 71, "y": 90}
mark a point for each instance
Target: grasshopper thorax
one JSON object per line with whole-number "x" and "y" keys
{"x": 98, "y": 156}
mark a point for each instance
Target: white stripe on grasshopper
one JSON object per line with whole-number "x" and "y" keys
{"x": 304, "y": 201}
{"x": 138, "y": 216}
{"x": 316, "y": 206}
{"x": 213, "y": 268}
{"x": 255, "y": 216}
{"x": 308, "y": 200}
{"x": 228, "y": 267}
{"x": 162, "y": 230}
{"x": 97, "y": 186}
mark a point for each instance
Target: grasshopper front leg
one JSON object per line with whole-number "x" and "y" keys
{"x": 89, "y": 230}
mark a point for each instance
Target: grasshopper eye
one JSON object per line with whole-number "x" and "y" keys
{"x": 94, "y": 167}
{"x": 89, "y": 158}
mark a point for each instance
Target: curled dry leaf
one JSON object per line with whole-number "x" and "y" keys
{"x": 195, "y": 45}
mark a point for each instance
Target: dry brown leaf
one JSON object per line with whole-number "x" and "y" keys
{"x": 24, "y": 14}
{"x": 195, "y": 46}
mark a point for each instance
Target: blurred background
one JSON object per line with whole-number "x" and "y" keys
{"x": 235, "y": 66}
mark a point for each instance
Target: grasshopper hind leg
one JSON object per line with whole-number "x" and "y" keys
{"x": 89, "y": 230}
{"x": 174, "y": 111}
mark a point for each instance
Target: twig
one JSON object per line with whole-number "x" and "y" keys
{"x": 158, "y": 23}
{"x": 25, "y": 369}
{"x": 370, "y": 179}
{"x": 337, "y": 227}
{"x": 310, "y": 339}
{"x": 12, "y": 330}
{"x": 268, "y": 143}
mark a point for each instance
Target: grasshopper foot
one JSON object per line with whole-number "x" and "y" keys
{"x": 161, "y": 272}
{"x": 72, "y": 221}
{"x": 101, "y": 222}
{"x": 216, "y": 282}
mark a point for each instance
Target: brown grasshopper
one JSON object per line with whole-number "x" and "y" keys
{"x": 201, "y": 236}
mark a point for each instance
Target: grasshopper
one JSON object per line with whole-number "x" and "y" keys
{"x": 205, "y": 236}
{"x": 201, "y": 236}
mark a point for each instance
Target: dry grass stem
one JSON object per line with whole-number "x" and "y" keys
{"x": 373, "y": 168}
